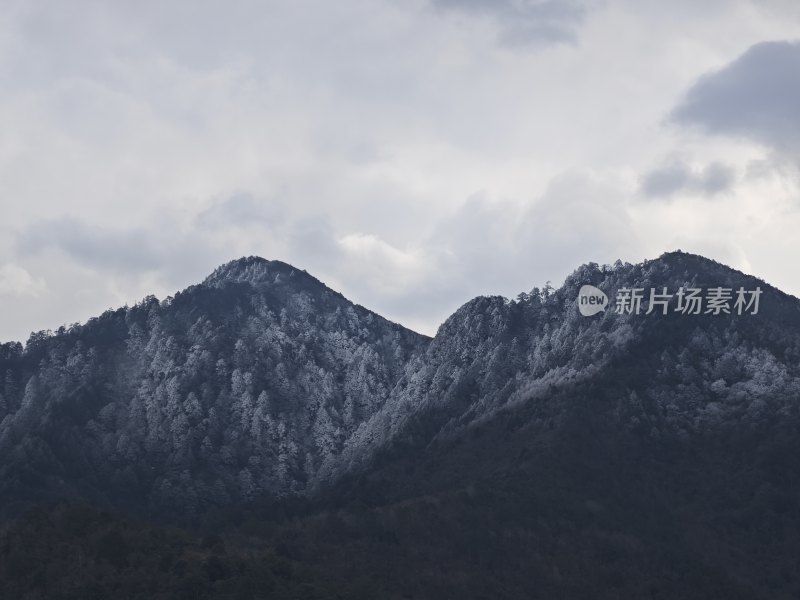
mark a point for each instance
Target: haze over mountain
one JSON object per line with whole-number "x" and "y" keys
{"x": 525, "y": 451}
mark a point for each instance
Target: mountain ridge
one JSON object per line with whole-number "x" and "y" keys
{"x": 262, "y": 380}
{"x": 525, "y": 448}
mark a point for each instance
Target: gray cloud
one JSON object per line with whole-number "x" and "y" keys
{"x": 757, "y": 96}
{"x": 242, "y": 210}
{"x": 716, "y": 178}
{"x": 676, "y": 176}
{"x": 124, "y": 249}
{"x": 313, "y": 240}
{"x": 162, "y": 248}
{"x": 525, "y": 22}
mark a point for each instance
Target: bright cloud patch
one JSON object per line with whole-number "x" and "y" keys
{"x": 16, "y": 280}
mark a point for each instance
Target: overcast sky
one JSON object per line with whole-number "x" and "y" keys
{"x": 409, "y": 154}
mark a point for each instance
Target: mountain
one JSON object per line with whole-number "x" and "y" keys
{"x": 552, "y": 455}
{"x": 677, "y": 373}
{"x": 238, "y": 386}
{"x": 526, "y": 451}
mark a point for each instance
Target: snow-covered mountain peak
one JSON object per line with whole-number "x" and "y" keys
{"x": 257, "y": 271}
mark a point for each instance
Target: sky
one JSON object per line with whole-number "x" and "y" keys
{"x": 411, "y": 155}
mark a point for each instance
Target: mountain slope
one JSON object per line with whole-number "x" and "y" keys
{"x": 692, "y": 371}
{"x": 618, "y": 456}
{"x": 238, "y": 386}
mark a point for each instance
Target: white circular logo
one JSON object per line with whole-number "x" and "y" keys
{"x": 591, "y": 300}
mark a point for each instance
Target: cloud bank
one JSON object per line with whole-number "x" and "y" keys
{"x": 757, "y": 96}
{"x": 411, "y": 155}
